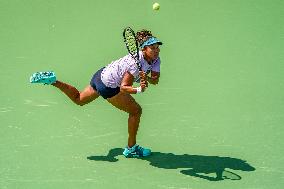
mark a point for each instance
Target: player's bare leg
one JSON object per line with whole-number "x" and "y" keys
{"x": 79, "y": 98}
{"x": 127, "y": 103}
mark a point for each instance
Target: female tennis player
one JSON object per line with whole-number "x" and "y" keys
{"x": 115, "y": 84}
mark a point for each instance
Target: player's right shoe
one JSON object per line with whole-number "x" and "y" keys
{"x": 136, "y": 151}
{"x": 46, "y": 78}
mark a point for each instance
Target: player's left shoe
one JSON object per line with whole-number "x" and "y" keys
{"x": 46, "y": 78}
{"x": 136, "y": 151}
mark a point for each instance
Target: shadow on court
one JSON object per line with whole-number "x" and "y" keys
{"x": 192, "y": 165}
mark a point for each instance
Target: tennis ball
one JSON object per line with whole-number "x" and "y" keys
{"x": 156, "y": 6}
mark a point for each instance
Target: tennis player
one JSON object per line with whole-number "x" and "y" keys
{"x": 115, "y": 84}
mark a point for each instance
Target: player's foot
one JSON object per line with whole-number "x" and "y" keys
{"x": 43, "y": 77}
{"x": 136, "y": 151}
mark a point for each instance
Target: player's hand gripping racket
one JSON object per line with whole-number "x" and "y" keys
{"x": 132, "y": 47}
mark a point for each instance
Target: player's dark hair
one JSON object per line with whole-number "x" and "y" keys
{"x": 142, "y": 36}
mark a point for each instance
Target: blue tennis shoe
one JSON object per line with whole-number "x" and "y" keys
{"x": 46, "y": 78}
{"x": 136, "y": 151}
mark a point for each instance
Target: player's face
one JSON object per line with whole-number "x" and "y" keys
{"x": 151, "y": 52}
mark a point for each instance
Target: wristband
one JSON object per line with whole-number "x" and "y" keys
{"x": 138, "y": 90}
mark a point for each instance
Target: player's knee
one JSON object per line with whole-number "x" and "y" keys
{"x": 137, "y": 111}
{"x": 79, "y": 103}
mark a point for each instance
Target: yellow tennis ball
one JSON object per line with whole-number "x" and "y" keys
{"x": 156, "y": 6}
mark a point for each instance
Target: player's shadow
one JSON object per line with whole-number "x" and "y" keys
{"x": 212, "y": 168}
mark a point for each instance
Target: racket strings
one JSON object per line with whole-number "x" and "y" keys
{"x": 130, "y": 42}
{"x": 132, "y": 45}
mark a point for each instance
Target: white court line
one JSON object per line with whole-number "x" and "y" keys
{"x": 51, "y": 180}
{"x": 6, "y": 109}
{"x": 104, "y": 135}
{"x": 42, "y": 105}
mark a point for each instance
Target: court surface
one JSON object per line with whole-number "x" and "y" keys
{"x": 214, "y": 121}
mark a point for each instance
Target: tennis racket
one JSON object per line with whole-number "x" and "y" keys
{"x": 132, "y": 45}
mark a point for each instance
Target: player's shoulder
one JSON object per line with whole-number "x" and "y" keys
{"x": 128, "y": 61}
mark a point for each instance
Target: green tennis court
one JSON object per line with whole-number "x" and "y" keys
{"x": 215, "y": 120}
